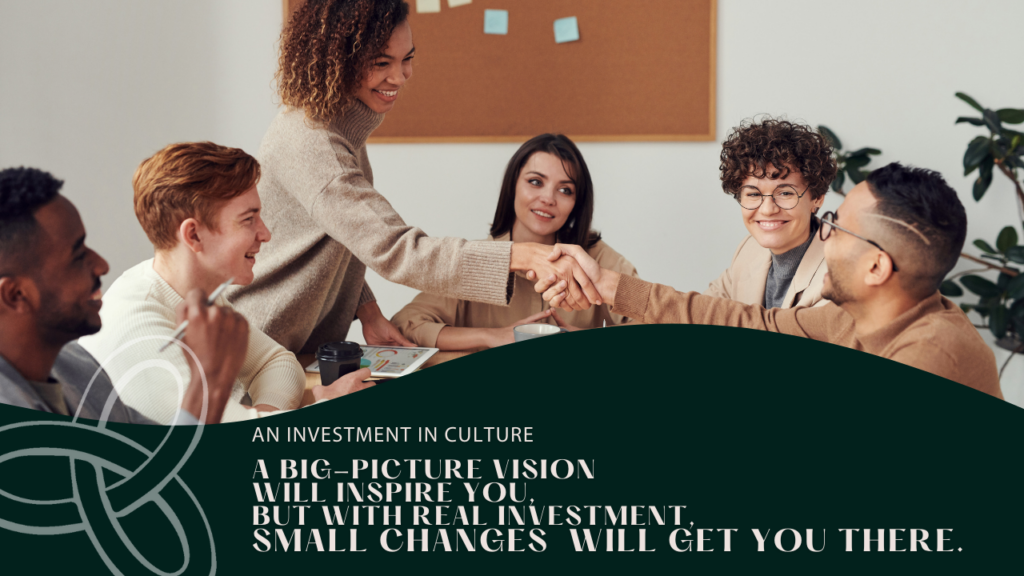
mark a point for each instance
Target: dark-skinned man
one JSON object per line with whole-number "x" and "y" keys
{"x": 50, "y": 296}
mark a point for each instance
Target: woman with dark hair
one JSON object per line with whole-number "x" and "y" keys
{"x": 343, "y": 64}
{"x": 546, "y": 197}
{"x": 778, "y": 172}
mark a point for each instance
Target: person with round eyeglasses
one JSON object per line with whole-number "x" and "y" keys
{"x": 889, "y": 246}
{"x": 778, "y": 172}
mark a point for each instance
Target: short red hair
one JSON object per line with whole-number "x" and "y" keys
{"x": 189, "y": 180}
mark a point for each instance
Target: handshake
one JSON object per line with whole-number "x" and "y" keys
{"x": 566, "y": 275}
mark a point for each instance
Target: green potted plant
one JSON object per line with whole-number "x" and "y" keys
{"x": 851, "y": 164}
{"x": 1000, "y": 303}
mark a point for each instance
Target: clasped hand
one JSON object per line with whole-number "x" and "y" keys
{"x": 543, "y": 264}
{"x": 558, "y": 290}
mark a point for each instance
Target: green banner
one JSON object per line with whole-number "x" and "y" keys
{"x": 688, "y": 448}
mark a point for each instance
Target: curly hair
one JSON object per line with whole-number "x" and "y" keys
{"x": 327, "y": 49}
{"x": 188, "y": 180}
{"x": 22, "y": 192}
{"x": 785, "y": 145}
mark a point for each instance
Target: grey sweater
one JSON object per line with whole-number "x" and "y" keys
{"x": 781, "y": 273}
{"x": 328, "y": 223}
{"x": 72, "y": 374}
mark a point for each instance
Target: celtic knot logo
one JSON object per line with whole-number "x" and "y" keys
{"x": 95, "y": 455}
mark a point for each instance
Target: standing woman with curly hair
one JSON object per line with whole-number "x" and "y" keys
{"x": 778, "y": 172}
{"x": 343, "y": 64}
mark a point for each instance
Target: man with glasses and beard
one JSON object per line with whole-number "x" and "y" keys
{"x": 888, "y": 247}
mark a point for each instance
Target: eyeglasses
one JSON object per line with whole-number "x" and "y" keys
{"x": 828, "y": 222}
{"x": 786, "y": 198}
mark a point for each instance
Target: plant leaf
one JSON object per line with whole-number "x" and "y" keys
{"x": 837, "y": 183}
{"x": 975, "y": 121}
{"x": 1015, "y": 254}
{"x": 982, "y": 183}
{"x": 1000, "y": 146}
{"x": 864, "y": 151}
{"x": 1017, "y": 311}
{"x": 1011, "y": 115}
{"x": 985, "y": 306}
{"x": 992, "y": 121}
{"x": 976, "y": 152}
{"x": 950, "y": 288}
{"x": 856, "y": 176}
{"x": 984, "y": 246}
{"x": 1003, "y": 281}
{"x": 857, "y": 161}
{"x": 1015, "y": 289}
{"x": 1007, "y": 239}
{"x": 1017, "y": 324}
{"x": 970, "y": 101}
{"x": 980, "y": 286}
{"x": 966, "y": 307}
{"x": 998, "y": 318}
{"x": 987, "y": 163}
{"x": 831, "y": 137}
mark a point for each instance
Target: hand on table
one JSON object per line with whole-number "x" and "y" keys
{"x": 562, "y": 323}
{"x": 377, "y": 331}
{"x": 579, "y": 289}
{"x": 505, "y": 335}
{"x": 219, "y": 338}
{"x": 347, "y": 384}
{"x": 554, "y": 287}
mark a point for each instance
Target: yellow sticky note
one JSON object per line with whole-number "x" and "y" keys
{"x": 428, "y": 5}
{"x": 454, "y": 3}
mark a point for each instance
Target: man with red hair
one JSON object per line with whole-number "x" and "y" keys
{"x": 50, "y": 295}
{"x": 197, "y": 203}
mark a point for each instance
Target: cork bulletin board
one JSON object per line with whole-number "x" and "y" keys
{"x": 642, "y": 70}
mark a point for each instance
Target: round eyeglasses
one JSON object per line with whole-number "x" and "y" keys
{"x": 785, "y": 198}
{"x": 828, "y": 222}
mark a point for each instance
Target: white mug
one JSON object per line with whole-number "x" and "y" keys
{"x": 528, "y": 331}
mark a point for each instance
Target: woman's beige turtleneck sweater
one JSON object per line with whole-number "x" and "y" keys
{"x": 328, "y": 224}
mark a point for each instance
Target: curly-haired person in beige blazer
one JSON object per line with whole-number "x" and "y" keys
{"x": 778, "y": 172}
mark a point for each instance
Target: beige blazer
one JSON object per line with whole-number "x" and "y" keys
{"x": 746, "y": 277}
{"x": 422, "y": 319}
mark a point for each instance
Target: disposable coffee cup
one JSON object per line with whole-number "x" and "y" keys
{"x": 530, "y": 331}
{"x": 337, "y": 359}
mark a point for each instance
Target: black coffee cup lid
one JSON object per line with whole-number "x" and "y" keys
{"x": 336, "y": 351}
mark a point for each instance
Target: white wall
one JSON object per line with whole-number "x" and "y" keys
{"x": 89, "y": 89}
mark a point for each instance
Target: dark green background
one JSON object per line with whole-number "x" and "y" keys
{"x": 747, "y": 429}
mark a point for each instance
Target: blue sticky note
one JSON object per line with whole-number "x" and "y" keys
{"x": 495, "y": 21}
{"x": 567, "y": 30}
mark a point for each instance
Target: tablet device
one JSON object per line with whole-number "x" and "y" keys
{"x": 389, "y": 361}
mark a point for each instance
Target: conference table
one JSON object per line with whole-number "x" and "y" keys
{"x": 313, "y": 378}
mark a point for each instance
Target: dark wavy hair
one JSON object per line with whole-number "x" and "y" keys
{"x": 576, "y": 229}
{"x": 327, "y": 49}
{"x": 785, "y": 145}
{"x": 921, "y": 199}
{"x": 23, "y": 191}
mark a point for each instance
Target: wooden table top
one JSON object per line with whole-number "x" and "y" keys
{"x": 313, "y": 378}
